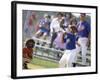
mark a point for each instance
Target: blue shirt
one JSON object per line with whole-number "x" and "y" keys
{"x": 86, "y": 29}
{"x": 70, "y": 40}
{"x": 45, "y": 25}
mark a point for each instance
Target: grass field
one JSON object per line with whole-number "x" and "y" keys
{"x": 38, "y": 63}
{"x": 33, "y": 66}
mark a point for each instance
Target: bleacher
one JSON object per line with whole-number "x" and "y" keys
{"x": 55, "y": 55}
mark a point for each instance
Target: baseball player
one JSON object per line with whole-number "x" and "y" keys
{"x": 69, "y": 57}
{"x": 83, "y": 34}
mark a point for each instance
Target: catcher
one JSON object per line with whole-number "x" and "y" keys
{"x": 27, "y": 52}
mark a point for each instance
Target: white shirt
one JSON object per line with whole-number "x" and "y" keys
{"x": 55, "y": 25}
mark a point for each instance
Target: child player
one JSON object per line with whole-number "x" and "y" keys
{"x": 69, "y": 57}
{"x": 44, "y": 27}
{"x": 27, "y": 52}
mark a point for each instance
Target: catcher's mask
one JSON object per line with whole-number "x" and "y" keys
{"x": 30, "y": 43}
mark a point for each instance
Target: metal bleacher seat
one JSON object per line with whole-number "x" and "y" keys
{"x": 52, "y": 54}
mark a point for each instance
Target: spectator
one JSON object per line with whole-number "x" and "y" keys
{"x": 84, "y": 35}
{"x": 55, "y": 27}
{"x": 44, "y": 27}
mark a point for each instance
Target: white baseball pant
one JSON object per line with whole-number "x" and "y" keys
{"x": 68, "y": 58}
{"x": 83, "y": 46}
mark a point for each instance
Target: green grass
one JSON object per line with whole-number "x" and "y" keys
{"x": 44, "y": 63}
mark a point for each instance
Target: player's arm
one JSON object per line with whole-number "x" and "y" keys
{"x": 64, "y": 37}
{"x": 77, "y": 37}
{"x": 89, "y": 33}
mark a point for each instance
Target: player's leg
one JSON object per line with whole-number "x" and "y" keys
{"x": 44, "y": 35}
{"x": 25, "y": 66}
{"x": 69, "y": 59}
{"x": 53, "y": 38}
{"x": 78, "y": 48}
{"x": 38, "y": 33}
{"x": 84, "y": 51}
{"x": 83, "y": 43}
{"x": 62, "y": 62}
{"x": 25, "y": 61}
{"x": 73, "y": 57}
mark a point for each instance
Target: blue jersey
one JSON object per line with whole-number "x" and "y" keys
{"x": 45, "y": 25}
{"x": 70, "y": 40}
{"x": 83, "y": 29}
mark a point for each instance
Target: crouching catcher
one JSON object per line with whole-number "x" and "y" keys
{"x": 28, "y": 52}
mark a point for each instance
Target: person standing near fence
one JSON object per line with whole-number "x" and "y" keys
{"x": 84, "y": 36}
{"x": 44, "y": 27}
{"x": 55, "y": 27}
{"x": 29, "y": 24}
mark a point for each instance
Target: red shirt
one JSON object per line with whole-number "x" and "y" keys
{"x": 30, "y": 21}
{"x": 27, "y": 53}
